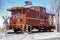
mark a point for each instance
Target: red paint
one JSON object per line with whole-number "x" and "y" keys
{"x": 35, "y": 17}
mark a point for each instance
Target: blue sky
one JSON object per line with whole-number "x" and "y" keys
{"x": 5, "y": 4}
{"x": 17, "y": 3}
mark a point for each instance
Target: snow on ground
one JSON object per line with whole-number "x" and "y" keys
{"x": 33, "y": 36}
{"x": 2, "y": 36}
{"x": 36, "y": 36}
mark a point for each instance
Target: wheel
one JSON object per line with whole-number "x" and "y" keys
{"x": 15, "y": 30}
{"x": 45, "y": 30}
{"x": 49, "y": 30}
{"x": 39, "y": 30}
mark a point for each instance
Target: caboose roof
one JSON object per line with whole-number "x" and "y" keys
{"x": 50, "y": 14}
{"x": 14, "y": 8}
{"x": 18, "y": 8}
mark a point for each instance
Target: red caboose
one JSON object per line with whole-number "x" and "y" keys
{"x": 26, "y": 19}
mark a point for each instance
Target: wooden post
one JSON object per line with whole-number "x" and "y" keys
{"x": 30, "y": 29}
{"x": 27, "y": 28}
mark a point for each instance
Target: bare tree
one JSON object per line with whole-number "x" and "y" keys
{"x": 56, "y": 11}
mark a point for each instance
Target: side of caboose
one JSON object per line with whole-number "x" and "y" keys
{"x": 26, "y": 19}
{"x": 39, "y": 19}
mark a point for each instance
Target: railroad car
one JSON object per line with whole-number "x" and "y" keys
{"x": 25, "y": 19}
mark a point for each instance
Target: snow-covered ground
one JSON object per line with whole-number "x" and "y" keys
{"x": 33, "y": 36}
{"x": 2, "y": 36}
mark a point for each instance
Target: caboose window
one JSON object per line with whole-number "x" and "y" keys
{"x": 13, "y": 13}
{"x": 37, "y": 9}
{"x": 18, "y": 13}
{"x": 42, "y": 10}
